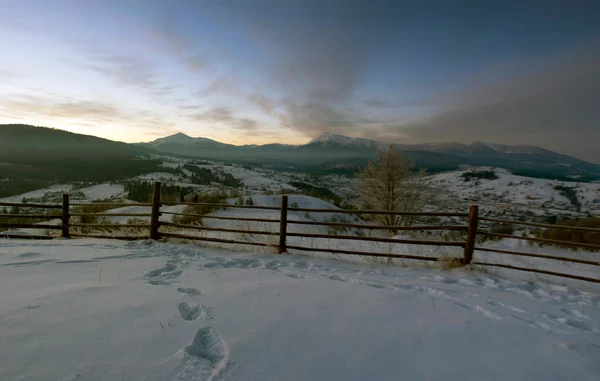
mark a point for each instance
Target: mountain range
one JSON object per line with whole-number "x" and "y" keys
{"x": 51, "y": 154}
{"x": 342, "y": 154}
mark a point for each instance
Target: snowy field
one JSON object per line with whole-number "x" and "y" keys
{"x": 107, "y": 310}
{"x": 526, "y": 193}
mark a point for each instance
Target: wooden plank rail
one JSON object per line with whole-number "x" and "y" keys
{"x": 379, "y": 227}
{"x": 534, "y": 224}
{"x": 211, "y": 239}
{"x": 543, "y": 256}
{"x": 221, "y": 217}
{"x": 377, "y": 239}
{"x": 19, "y": 236}
{"x": 115, "y": 226}
{"x": 112, "y": 214}
{"x": 217, "y": 229}
{"x": 41, "y": 206}
{"x": 116, "y": 205}
{"x": 369, "y": 254}
{"x": 30, "y": 226}
{"x": 380, "y": 212}
{"x": 546, "y": 272}
{"x": 220, "y": 205}
{"x": 39, "y": 216}
{"x": 543, "y": 240}
{"x": 105, "y": 236}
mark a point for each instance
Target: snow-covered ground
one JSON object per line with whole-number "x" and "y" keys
{"x": 38, "y": 194}
{"x": 523, "y": 193}
{"x": 509, "y": 195}
{"x": 107, "y": 310}
{"x": 104, "y": 191}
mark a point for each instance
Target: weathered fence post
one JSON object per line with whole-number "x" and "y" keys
{"x": 283, "y": 224}
{"x": 65, "y": 215}
{"x": 471, "y": 234}
{"x": 155, "y": 211}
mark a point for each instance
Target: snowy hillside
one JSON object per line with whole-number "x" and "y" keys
{"x": 507, "y": 195}
{"x": 539, "y": 196}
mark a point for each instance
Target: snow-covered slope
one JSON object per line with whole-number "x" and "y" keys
{"x": 104, "y": 191}
{"x": 526, "y": 193}
{"x": 107, "y": 310}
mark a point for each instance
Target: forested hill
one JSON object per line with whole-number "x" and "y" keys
{"x": 51, "y": 154}
{"x": 34, "y": 144}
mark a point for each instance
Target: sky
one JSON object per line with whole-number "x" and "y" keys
{"x": 263, "y": 71}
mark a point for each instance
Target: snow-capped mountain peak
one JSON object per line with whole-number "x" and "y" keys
{"x": 331, "y": 138}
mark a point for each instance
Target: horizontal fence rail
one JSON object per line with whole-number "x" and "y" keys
{"x": 543, "y": 240}
{"x": 116, "y": 226}
{"x": 546, "y": 272}
{"x": 111, "y": 204}
{"x": 28, "y": 205}
{"x": 30, "y": 226}
{"x": 218, "y": 229}
{"x": 211, "y": 239}
{"x": 201, "y": 216}
{"x": 377, "y": 239}
{"x": 111, "y": 236}
{"x": 362, "y": 253}
{"x": 28, "y": 236}
{"x": 111, "y": 214}
{"x": 220, "y": 205}
{"x": 380, "y": 212}
{"x": 549, "y": 226}
{"x": 543, "y": 256}
{"x": 176, "y": 229}
{"x": 35, "y": 216}
{"x": 378, "y": 227}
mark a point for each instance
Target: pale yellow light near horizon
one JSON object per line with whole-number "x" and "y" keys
{"x": 136, "y": 134}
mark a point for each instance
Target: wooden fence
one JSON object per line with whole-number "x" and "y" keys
{"x": 469, "y": 246}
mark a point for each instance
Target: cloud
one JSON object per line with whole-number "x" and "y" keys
{"x": 224, "y": 115}
{"x": 312, "y": 53}
{"x": 553, "y": 103}
{"x": 315, "y": 57}
{"x": 134, "y": 72}
{"x": 248, "y": 126}
{"x": 229, "y": 86}
{"x": 25, "y": 107}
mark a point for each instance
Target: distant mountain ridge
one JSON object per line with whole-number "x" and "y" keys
{"x": 331, "y": 151}
{"x": 38, "y": 152}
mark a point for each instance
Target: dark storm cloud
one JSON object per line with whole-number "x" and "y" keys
{"x": 316, "y": 53}
{"x": 554, "y": 103}
{"x": 315, "y": 56}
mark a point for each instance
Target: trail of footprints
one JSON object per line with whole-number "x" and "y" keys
{"x": 444, "y": 288}
{"x": 208, "y": 355}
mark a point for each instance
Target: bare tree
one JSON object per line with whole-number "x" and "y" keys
{"x": 391, "y": 185}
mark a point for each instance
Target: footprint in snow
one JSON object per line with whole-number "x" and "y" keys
{"x": 193, "y": 312}
{"x": 207, "y": 357}
{"x": 189, "y": 291}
